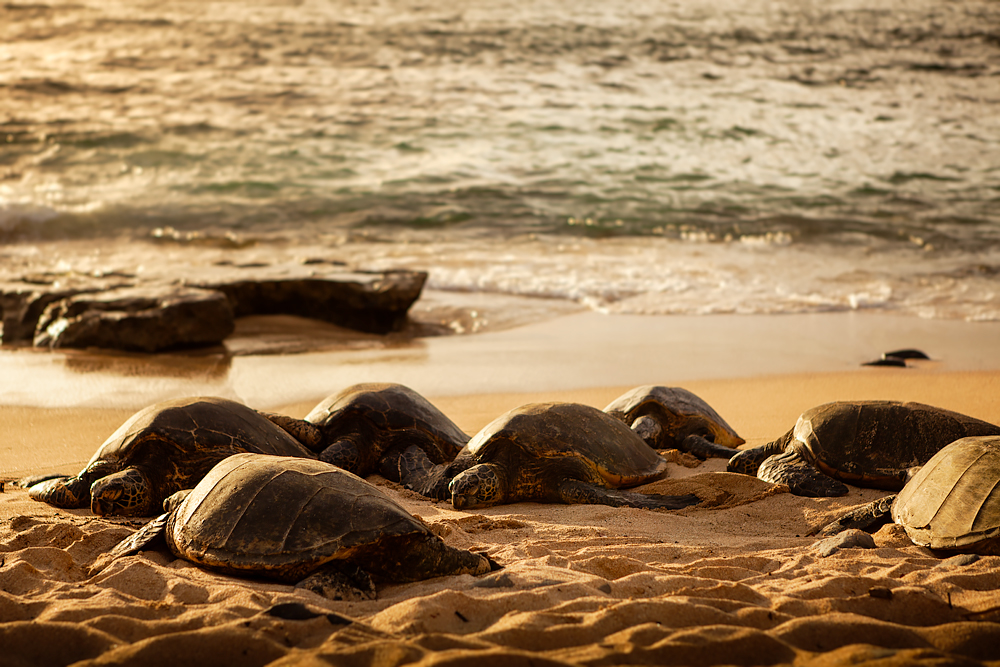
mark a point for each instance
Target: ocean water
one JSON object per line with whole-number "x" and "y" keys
{"x": 646, "y": 157}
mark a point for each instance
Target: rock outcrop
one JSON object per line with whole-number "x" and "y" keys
{"x": 150, "y": 314}
{"x": 137, "y": 319}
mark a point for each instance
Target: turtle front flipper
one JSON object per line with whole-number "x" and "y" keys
{"x": 578, "y": 492}
{"x": 64, "y": 492}
{"x": 802, "y": 478}
{"x": 747, "y": 461}
{"x": 344, "y": 454}
{"x": 340, "y": 580}
{"x": 305, "y": 432}
{"x": 418, "y": 473}
{"x": 705, "y": 449}
{"x": 868, "y": 518}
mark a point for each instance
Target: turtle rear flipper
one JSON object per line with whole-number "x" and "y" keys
{"x": 704, "y": 448}
{"x": 868, "y": 518}
{"x": 574, "y": 491}
{"x": 802, "y": 478}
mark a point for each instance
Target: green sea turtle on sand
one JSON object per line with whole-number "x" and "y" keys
{"x": 162, "y": 449}
{"x": 950, "y": 504}
{"x": 547, "y": 452}
{"x": 866, "y": 443}
{"x": 364, "y": 428}
{"x": 300, "y": 521}
{"x": 675, "y": 418}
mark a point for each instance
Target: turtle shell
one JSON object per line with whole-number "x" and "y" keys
{"x": 876, "y": 442}
{"x": 953, "y": 502}
{"x": 177, "y": 442}
{"x": 554, "y": 431}
{"x": 283, "y": 517}
{"x": 391, "y": 409}
{"x": 679, "y": 412}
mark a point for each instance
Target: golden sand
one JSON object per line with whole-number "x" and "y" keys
{"x": 733, "y": 580}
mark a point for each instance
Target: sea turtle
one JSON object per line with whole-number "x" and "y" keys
{"x": 675, "y": 418}
{"x": 364, "y": 428}
{"x": 951, "y": 503}
{"x": 867, "y": 443}
{"x": 555, "y": 452}
{"x": 300, "y": 520}
{"x": 162, "y": 449}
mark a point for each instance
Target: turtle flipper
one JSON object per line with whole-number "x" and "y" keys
{"x": 577, "y": 492}
{"x": 418, "y": 473}
{"x": 305, "y": 432}
{"x": 65, "y": 492}
{"x": 706, "y": 449}
{"x": 344, "y": 454}
{"x": 802, "y": 478}
{"x": 340, "y": 580}
{"x": 747, "y": 461}
{"x": 28, "y": 482}
{"x": 868, "y": 518}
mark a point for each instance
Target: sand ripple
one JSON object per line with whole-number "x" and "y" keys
{"x": 581, "y": 585}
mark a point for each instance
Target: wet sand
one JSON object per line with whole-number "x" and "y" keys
{"x": 733, "y": 580}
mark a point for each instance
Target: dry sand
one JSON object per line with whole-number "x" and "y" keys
{"x": 733, "y": 580}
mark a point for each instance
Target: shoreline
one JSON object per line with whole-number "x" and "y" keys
{"x": 574, "y": 351}
{"x": 57, "y": 407}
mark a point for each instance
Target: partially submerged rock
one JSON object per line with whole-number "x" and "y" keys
{"x": 154, "y": 312}
{"x": 374, "y": 302}
{"x": 137, "y": 319}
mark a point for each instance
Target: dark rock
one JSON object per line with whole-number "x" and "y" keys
{"x": 961, "y": 560}
{"x": 153, "y": 312}
{"x": 23, "y": 303}
{"x": 887, "y": 361}
{"x": 909, "y": 353}
{"x": 374, "y": 302}
{"x": 849, "y": 539}
{"x": 141, "y": 319}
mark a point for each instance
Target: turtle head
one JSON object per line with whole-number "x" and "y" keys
{"x": 125, "y": 493}
{"x": 479, "y": 486}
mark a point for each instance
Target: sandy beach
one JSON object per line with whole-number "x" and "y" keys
{"x": 732, "y": 580}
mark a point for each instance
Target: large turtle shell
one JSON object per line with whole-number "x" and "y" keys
{"x": 953, "y": 501}
{"x": 390, "y": 408}
{"x": 177, "y": 442}
{"x": 679, "y": 412}
{"x": 550, "y": 431}
{"x": 876, "y": 442}
{"x": 283, "y": 517}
